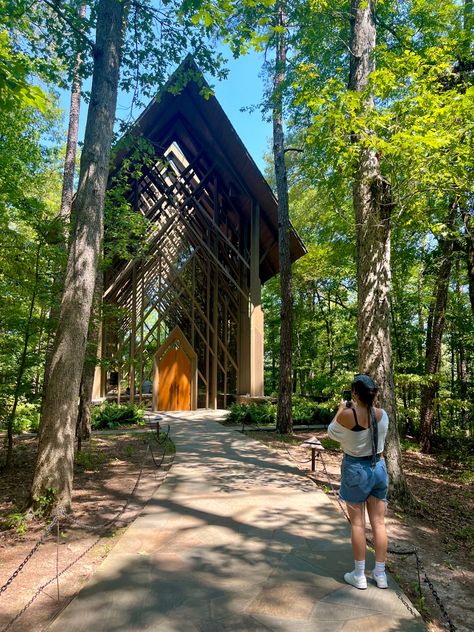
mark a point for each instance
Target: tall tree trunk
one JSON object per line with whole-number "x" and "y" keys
{"x": 39, "y": 351}
{"x": 54, "y": 467}
{"x": 66, "y": 198}
{"x": 284, "y": 420}
{"x": 469, "y": 238}
{"x": 72, "y": 135}
{"x": 462, "y": 368}
{"x": 329, "y": 337}
{"x": 434, "y": 337}
{"x": 400, "y": 360}
{"x": 83, "y": 428}
{"x": 421, "y": 320}
{"x": 373, "y": 206}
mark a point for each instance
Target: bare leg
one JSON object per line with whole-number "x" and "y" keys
{"x": 357, "y": 517}
{"x": 376, "y": 509}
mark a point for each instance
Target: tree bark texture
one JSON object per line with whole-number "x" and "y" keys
{"x": 284, "y": 418}
{"x": 435, "y": 336}
{"x": 373, "y": 206}
{"x": 54, "y": 467}
{"x": 66, "y": 198}
{"x": 83, "y": 428}
{"x": 72, "y": 135}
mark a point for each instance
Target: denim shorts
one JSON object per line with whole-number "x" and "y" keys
{"x": 360, "y": 479}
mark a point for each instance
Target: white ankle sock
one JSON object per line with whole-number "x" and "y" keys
{"x": 359, "y": 568}
{"x": 379, "y": 568}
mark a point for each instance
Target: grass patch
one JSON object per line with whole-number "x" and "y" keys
{"x": 90, "y": 460}
{"x": 409, "y": 445}
{"x": 330, "y": 444}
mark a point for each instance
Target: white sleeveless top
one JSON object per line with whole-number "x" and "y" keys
{"x": 358, "y": 443}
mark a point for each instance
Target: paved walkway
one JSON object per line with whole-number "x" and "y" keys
{"x": 235, "y": 539}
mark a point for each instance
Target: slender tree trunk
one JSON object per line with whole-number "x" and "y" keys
{"x": 399, "y": 355}
{"x": 284, "y": 420}
{"x": 22, "y": 365}
{"x": 66, "y": 198}
{"x": 434, "y": 338}
{"x": 39, "y": 351}
{"x": 462, "y": 368}
{"x": 83, "y": 428}
{"x": 54, "y": 467}
{"x": 469, "y": 238}
{"x": 72, "y": 136}
{"x": 327, "y": 324}
{"x": 373, "y": 206}
{"x": 421, "y": 319}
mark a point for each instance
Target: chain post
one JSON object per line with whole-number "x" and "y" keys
{"x": 418, "y": 571}
{"x": 57, "y": 556}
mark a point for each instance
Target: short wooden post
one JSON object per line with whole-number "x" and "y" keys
{"x": 316, "y": 446}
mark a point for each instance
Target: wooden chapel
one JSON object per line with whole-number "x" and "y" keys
{"x": 188, "y": 330}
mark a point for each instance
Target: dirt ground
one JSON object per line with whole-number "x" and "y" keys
{"x": 107, "y": 473}
{"x": 114, "y": 477}
{"x": 441, "y": 528}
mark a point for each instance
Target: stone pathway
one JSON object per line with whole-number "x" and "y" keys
{"x": 236, "y": 539}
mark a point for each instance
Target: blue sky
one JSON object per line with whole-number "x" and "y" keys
{"x": 242, "y": 88}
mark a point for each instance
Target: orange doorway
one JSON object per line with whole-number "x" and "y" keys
{"x": 175, "y": 381}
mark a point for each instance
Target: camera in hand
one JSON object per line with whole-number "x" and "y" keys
{"x": 347, "y": 396}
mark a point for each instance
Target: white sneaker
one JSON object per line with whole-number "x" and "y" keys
{"x": 380, "y": 580}
{"x": 358, "y": 581}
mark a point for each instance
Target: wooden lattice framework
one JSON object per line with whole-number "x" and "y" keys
{"x": 212, "y": 242}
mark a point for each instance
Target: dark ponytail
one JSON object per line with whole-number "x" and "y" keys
{"x": 366, "y": 389}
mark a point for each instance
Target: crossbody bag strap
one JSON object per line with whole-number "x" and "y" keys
{"x": 374, "y": 434}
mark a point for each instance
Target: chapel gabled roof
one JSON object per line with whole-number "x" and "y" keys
{"x": 186, "y": 111}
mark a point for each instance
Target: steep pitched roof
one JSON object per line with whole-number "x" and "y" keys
{"x": 186, "y": 112}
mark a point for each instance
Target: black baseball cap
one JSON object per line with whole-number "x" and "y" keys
{"x": 366, "y": 380}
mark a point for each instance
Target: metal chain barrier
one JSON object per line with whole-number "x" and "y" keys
{"x": 426, "y": 579}
{"x": 61, "y": 514}
{"x": 165, "y": 438}
{"x": 297, "y": 460}
{"x": 110, "y": 522}
{"x": 14, "y": 575}
{"x": 46, "y": 584}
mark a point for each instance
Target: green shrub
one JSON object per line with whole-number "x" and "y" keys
{"x": 111, "y": 415}
{"x": 330, "y": 444}
{"x": 252, "y": 413}
{"x": 16, "y": 521}
{"x": 45, "y": 502}
{"x": 303, "y": 410}
{"x": 310, "y": 412}
{"x": 27, "y": 417}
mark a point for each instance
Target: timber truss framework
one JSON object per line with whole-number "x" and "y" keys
{"x": 201, "y": 269}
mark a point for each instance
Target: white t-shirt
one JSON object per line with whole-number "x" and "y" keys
{"x": 358, "y": 443}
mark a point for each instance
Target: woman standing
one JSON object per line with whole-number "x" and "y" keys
{"x": 361, "y": 429}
